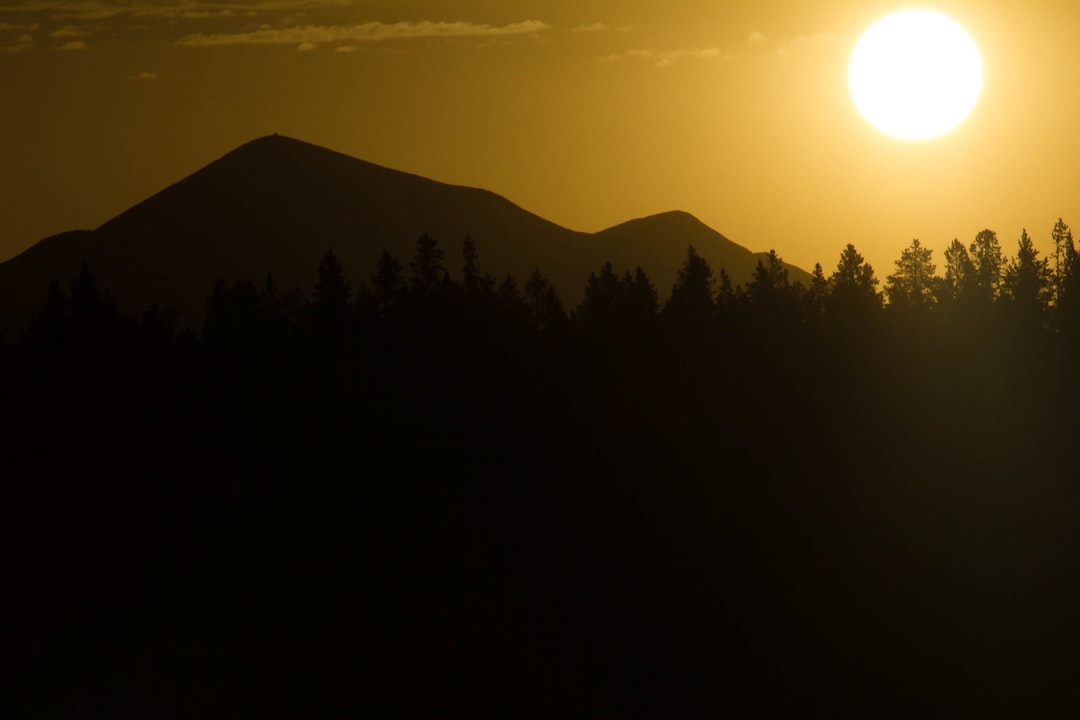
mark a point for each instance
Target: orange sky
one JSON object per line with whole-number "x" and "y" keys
{"x": 588, "y": 113}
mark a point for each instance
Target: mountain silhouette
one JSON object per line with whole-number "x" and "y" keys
{"x": 276, "y": 205}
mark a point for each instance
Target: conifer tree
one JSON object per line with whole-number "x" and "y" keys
{"x": 387, "y": 283}
{"x": 427, "y": 265}
{"x": 854, "y": 286}
{"x": 1026, "y": 281}
{"x": 330, "y": 306}
{"x": 691, "y": 304}
{"x": 960, "y": 281}
{"x": 813, "y": 300}
{"x": 1064, "y": 249}
{"x": 989, "y": 262}
{"x": 911, "y": 287}
{"x": 544, "y": 306}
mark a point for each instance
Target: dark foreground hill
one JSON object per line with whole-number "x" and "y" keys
{"x": 276, "y": 205}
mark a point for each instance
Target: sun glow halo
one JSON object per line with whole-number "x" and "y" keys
{"x": 915, "y": 74}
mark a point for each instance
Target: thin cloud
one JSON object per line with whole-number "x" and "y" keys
{"x": 809, "y": 42}
{"x": 346, "y": 49}
{"x": 595, "y": 27}
{"x": 364, "y": 32}
{"x": 790, "y": 45}
{"x": 664, "y": 58}
{"x": 307, "y": 47}
{"x": 68, "y": 31}
{"x": 22, "y": 43}
{"x": 102, "y": 13}
{"x": 74, "y": 45}
{"x": 798, "y": 43}
{"x": 145, "y": 77}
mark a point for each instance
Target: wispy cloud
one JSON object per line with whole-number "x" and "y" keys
{"x": 790, "y": 45}
{"x": 195, "y": 9}
{"x": 808, "y": 42}
{"x": 69, "y": 31}
{"x": 12, "y": 27}
{"x": 363, "y": 32}
{"x": 145, "y": 77}
{"x": 21, "y": 43}
{"x": 74, "y": 45}
{"x": 665, "y": 58}
{"x": 595, "y": 27}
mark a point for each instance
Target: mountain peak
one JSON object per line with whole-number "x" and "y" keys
{"x": 275, "y": 205}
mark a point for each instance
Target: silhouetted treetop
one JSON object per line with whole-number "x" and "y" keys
{"x": 911, "y": 287}
{"x": 388, "y": 284}
{"x": 692, "y": 302}
{"x": 960, "y": 283}
{"x": 854, "y": 295}
{"x": 428, "y": 269}
{"x": 328, "y": 313}
{"x": 988, "y": 261}
{"x": 1026, "y": 280}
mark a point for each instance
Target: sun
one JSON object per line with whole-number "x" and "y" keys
{"x": 915, "y": 74}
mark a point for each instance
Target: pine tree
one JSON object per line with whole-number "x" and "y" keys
{"x": 1064, "y": 249}
{"x": 911, "y": 287}
{"x": 960, "y": 281}
{"x": 989, "y": 262}
{"x": 769, "y": 281}
{"x": 691, "y": 305}
{"x": 854, "y": 286}
{"x": 387, "y": 283}
{"x": 1026, "y": 281}
{"x": 813, "y": 300}
{"x": 332, "y": 290}
{"x": 603, "y": 294}
{"x": 544, "y": 306}
{"x": 427, "y": 265}
{"x": 641, "y": 295}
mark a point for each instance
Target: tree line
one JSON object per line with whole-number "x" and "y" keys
{"x": 979, "y": 282}
{"x": 450, "y": 491}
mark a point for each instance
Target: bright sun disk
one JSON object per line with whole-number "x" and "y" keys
{"x": 915, "y": 74}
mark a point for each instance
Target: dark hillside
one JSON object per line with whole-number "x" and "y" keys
{"x": 276, "y": 205}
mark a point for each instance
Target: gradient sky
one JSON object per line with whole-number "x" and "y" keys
{"x": 587, "y": 112}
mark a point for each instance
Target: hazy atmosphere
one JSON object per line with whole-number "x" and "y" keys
{"x": 585, "y": 112}
{"x": 531, "y": 359}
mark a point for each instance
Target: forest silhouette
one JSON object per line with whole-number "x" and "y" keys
{"x": 439, "y": 491}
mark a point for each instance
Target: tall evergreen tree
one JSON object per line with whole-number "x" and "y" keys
{"x": 1064, "y": 249}
{"x": 640, "y": 295}
{"x": 960, "y": 281}
{"x": 691, "y": 305}
{"x": 854, "y": 295}
{"x": 989, "y": 263}
{"x": 911, "y": 287}
{"x": 603, "y": 294}
{"x": 330, "y": 307}
{"x": 545, "y": 308}
{"x": 813, "y": 300}
{"x": 387, "y": 283}
{"x": 427, "y": 265}
{"x": 769, "y": 280}
{"x": 770, "y": 293}
{"x": 1026, "y": 281}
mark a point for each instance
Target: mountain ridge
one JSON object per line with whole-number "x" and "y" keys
{"x": 275, "y": 205}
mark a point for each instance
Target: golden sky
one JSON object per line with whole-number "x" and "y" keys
{"x": 586, "y": 112}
